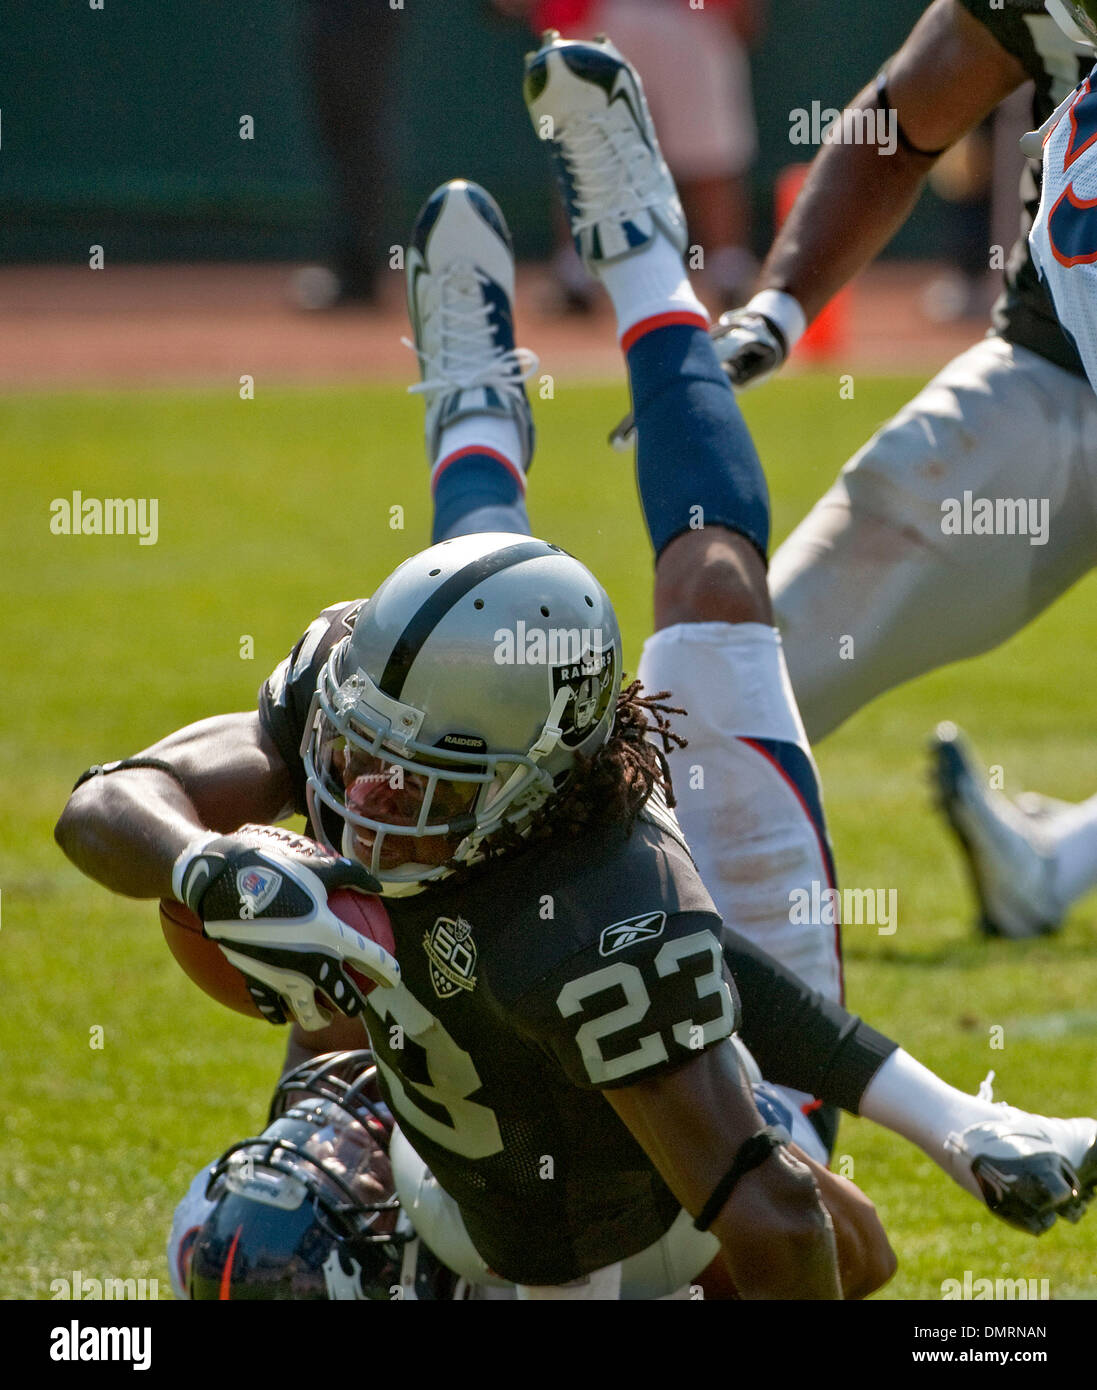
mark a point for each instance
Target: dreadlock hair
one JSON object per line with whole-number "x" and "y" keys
{"x": 612, "y": 786}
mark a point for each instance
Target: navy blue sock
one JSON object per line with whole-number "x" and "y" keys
{"x": 696, "y": 464}
{"x": 477, "y": 490}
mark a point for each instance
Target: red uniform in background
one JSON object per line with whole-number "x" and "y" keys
{"x": 696, "y": 73}
{"x": 564, "y": 14}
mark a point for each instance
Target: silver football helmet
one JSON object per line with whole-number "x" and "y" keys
{"x": 1076, "y": 18}
{"x": 472, "y": 680}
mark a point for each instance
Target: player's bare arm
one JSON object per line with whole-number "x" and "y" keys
{"x": 341, "y": 1035}
{"x": 125, "y": 829}
{"x": 949, "y": 74}
{"x": 776, "y": 1237}
{"x": 866, "y": 1260}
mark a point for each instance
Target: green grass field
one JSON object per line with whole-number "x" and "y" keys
{"x": 270, "y": 509}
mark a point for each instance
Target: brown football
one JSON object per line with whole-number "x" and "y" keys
{"x": 202, "y": 960}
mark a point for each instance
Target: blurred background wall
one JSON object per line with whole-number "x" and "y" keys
{"x": 122, "y": 125}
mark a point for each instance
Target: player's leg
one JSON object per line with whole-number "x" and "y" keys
{"x": 1028, "y": 1169}
{"x": 748, "y": 795}
{"x": 747, "y": 789}
{"x": 1030, "y": 858}
{"x": 436, "y": 1216}
{"x": 696, "y": 74}
{"x": 905, "y": 565}
{"x": 1071, "y": 833}
{"x": 479, "y": 431}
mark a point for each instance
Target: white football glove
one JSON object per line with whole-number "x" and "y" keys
{"x": 750, "y": 346}
{"x": 267, "y": 908}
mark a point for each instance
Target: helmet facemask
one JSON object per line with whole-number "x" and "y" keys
{"x": 362, "y": 753}
{"x": 308, "y": 1209}
{"x": 319, "y": 1154}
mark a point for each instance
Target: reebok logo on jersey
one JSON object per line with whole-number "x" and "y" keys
{"x": 640, "y": 928}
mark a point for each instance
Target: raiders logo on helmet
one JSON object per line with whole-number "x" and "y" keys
{"x": 592, "y": 684}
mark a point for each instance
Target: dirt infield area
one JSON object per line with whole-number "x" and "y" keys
{"x": 62, "y": 327}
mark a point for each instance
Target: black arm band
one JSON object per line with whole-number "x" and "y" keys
{"x": 883, "y": 103}
{"x": 101, "y": 770}
{"x": 751, "y": 1154}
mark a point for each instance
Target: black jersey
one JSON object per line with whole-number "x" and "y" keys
{"x": 1023, "y": 313}
{"x": 286, "y": 695}
{"x": 566, "y": 969}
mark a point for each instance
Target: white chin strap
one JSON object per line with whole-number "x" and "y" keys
{"x": 1033, "y": 141}
{"x": 402, "y": 889}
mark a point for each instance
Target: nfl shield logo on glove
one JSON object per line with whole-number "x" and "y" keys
{"x": 258, "y": 888}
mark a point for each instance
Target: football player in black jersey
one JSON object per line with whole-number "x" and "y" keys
{"x": 555, "y": 1039}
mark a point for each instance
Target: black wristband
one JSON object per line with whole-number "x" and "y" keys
{"x": 101, "y": 770}
{"x": 883, "y": 103}
{"x": 753, "y": 1152}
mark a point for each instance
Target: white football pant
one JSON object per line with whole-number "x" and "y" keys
{"x": 870, "y": 590}
{"x": 747, "y": 789}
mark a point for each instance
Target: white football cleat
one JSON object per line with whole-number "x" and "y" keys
{"x": 460, "y": 283}
{"x": 1007, "y": 849}
{"x": 587, "y": 102}
{"x": 1028, "y": 1169}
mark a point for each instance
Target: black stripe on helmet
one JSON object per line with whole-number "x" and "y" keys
{"x": 445, "y": 597}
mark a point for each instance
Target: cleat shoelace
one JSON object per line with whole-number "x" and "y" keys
{"x": 613, "y": 173}
{"x": 467, "y": 356}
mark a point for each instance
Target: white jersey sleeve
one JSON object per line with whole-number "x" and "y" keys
{"x": 1064, "y": 235}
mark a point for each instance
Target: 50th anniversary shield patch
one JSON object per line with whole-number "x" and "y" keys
{"x": 451, "y": 952}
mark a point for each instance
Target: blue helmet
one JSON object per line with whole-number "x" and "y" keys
{"x": 307, "y": 1210}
